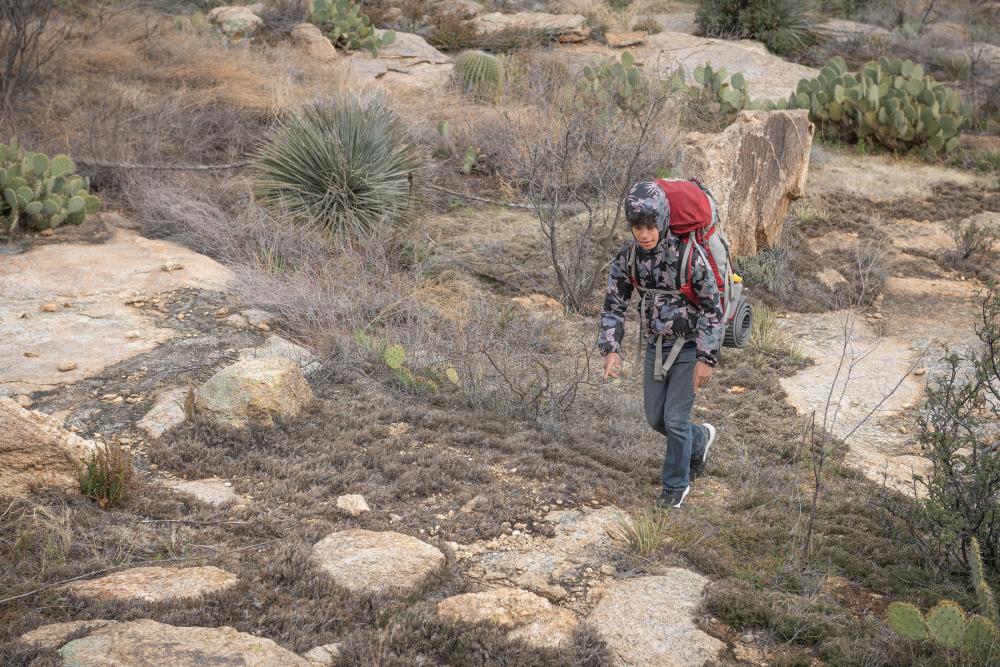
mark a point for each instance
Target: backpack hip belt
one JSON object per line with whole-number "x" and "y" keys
{"x": 660, "y": 367}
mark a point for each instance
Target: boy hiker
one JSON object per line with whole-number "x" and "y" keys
{"x": 683, "y": 328}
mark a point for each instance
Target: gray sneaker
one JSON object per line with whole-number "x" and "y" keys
{"x": 672, "y": 498}
{"x": 698, "y": 465}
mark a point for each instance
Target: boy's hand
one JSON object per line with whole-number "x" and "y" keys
{"x": 702, "y": 372}
{"x": 612, "y": 365}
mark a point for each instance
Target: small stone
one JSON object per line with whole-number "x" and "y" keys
{"x": 172, "y": 266}
{"x": 48, "y": 232}
{"x": 237, "y": 321}
{"x": 608, "y": 569}
{"x": 353, "y": 504}
{"x": 23, "y": 400}
{"x": 737, "y": 389}
{"x": 133, "y": 400}
{"x": 181, "y": 316}
{"x": 394, "y": 518}
{"x": 67, "y": 366}
{"x": 50, "y": 307}
{"x": 222, "y": 312}
{"x": 520, "y": 526}
{"x": 920, "y": 371}
{"x": 117, "y": 399}
{"x": 323, "y": 655}
{"x": 31, "y": 355}
{"x": 153, "y": 466}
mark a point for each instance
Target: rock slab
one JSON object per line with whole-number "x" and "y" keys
{"x": 254, "y": 390}
{"x": 649, "y": 621}
{"x": 566, "y": 27}
{"x": 166, "y": 413}
{"x": 311, "y": 40}
{"x": 530, "y": 618}
{"x": 54, "y": 635}
{"x": 211, "y": 491}
{"x": 153, "y": 584}
{"x": 755, "y": 168}
{"x": 36, "y": 449}
{"x": 148, "y": 642}
{"x": 365, "y": 561}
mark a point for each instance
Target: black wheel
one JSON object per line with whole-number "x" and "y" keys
{"x": 738, "y": 329}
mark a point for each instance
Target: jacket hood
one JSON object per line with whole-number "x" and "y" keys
{"x": 645, "y": 203}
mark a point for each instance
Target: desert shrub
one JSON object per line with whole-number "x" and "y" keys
{"x": 958, "y": 432}
{"x": 869, "y": 271}
{"x": 576, "y": 160}
{"x": 450, "y": 32}
{"x": 27, "y": 42}
{"x": 107, "y": 476}
{"x": 770, "y": 269}
{"x": 480, "y": 74}
{"x": 347, "y": 165}
{"x": 647, "y": 24}
{"x": 642, "y": 532}
{"x": 347, "y": 27}
{"x": 782, "y": 25}
{"x": 41, "y": 193}
{"x": 973, "y": 237}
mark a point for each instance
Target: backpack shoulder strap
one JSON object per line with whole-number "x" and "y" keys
{"x": 631, "y": 268}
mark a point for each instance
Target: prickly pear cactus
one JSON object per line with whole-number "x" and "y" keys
{"x": 41, "y": 193}
{"x": 731, "y": 96}
{"x": 946, "y": 622}
{"x": 394, "y": 356}
{"x": 907, "y": 621}
{"x": 480, "y": 74}
{"x": 452, "y": 376}
{"x": 987, "y": 604}
{"x": 980, "y": 640}
{"x": 347, "y": 27}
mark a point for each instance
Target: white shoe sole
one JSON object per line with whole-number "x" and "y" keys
{"x": 708, "y": 443}
{"x": 683, "y": 496}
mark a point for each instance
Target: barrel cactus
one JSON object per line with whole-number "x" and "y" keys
{"x": 40, "y": 193}
{"x": 480, "y": 74}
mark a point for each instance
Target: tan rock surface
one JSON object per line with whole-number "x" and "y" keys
{"x": 166, "y": 413}
{"x": 36, "y": 449}
{"x": 531, "y": 618}
{"x": 54, "y": 635}
{"x": 147, "y": 642}
{"x": 754, "y": 168}
{"x": 237, "y": 21}
{"x": 365, "y": 561}
{"x": 153, "y": 584}
{"x": 211, "y": 491}
{"x": 768, "y": 76}
{"x": 96, "y": 280}
{"x": 313, "y": 42}
{"x": 353, "y": 504}
{"x": 619, "y": 40}
{"x": 561, "y": 25}
{"x": 254, "y": 390}
{"x": 649, "y": 622}
{"x": 408, "y": 64}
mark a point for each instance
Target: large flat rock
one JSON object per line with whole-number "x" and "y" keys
{"x": 153, "y": 584}
{"x": 36, "y": 449}
{"x": 649, "y": 622}
{"x": 89, "y": 284}
{"x": 768, "y": 76}
{"x": 55, "y": 635}
{"x": 529, "y": 617}
{"x": 147, "y": 642}
{"x": 365, "y": 561}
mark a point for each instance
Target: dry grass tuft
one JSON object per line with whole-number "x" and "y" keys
{"x": 766, "y": 337}
{"x": 642, "y": 532}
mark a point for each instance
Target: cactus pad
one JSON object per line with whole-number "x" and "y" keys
{"x": 907, "y": 621}
{"x": 394, "y": 356}
{"x": 452, "y": 376}
{"x": 40, "y": 192}
{"x": 947, "y": 624}
{"x": 980, "y": 639}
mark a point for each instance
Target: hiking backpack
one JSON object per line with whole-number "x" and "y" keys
{"x": 692, "y": 215}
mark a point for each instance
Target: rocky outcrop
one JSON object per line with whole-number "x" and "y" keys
{"x": 55, "y": 635}
{"x": 36, "y": 450}
{"x": 237, "y": 21}
{"x": 754, "y": 168}
{"x": 166, "y": 413}
{"x": 254, "y": 391}
{"x": 564, "y": 27}
{"x": 530, "y": 618}
{"x": 365, "y": 561}
{"x": 353, "y": 504}
{"x": 311, "y": 40}
{"x": 463, "y": 9}
{"x": 153, "y": 584}
{"x": 408, "y": 63}
{"x": 768, "y": 76}
{"x": 649, "y": 622}
{"x": 100, "y": 288}
{"x": 147, "y": 642}
{"x": 211, "y": 491}
{"x": 276, "y": 346}
{"x": 619, "y": 40}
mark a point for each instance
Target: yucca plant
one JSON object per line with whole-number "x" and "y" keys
{"x": 107, "y": 475}
{"x": 347, "y": 165}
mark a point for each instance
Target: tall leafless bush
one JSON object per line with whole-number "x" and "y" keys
{"x": 28, "y": 40}
{"x": 575, "y": 158}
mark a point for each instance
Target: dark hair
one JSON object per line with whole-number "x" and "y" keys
{"x": 644, "y": 219}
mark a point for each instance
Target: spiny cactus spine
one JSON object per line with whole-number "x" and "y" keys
{"x": 480, "y": 74}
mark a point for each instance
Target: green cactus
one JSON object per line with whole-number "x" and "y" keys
{"x": 394, "y": 356}
{"x": 980, "y": 639}
{"x": 480, "y": 74}
{"x": 621, "y": 80}
{"x": 946, "y": 622}
{"x": 987, "y": 604}
{"x": 40, "y": 191}
{"x": 907, "y": 621}
{"x": 347, "y": 27}
{"x": 731, "y": 95}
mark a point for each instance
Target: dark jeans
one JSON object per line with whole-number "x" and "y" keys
{"x": 667, "y": 405}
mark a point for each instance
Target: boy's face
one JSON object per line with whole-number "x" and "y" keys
{"x": 647, "y": 236}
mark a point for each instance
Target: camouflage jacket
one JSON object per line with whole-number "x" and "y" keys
{"x": 666, "y": 315}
